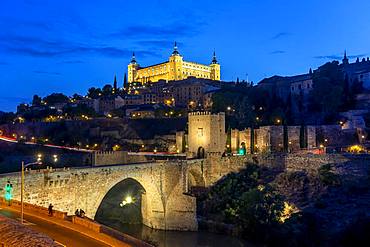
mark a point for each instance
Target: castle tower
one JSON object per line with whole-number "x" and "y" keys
{"x": 132, "y": 68}
{"x": 215, "y": 68}
{"x": 175, "y": 65}
{"x": 345, "y": 59}
{"x": 206, "y": 133}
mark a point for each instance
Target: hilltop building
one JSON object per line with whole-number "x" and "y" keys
{"x": 173, "y": 69}
{"x": 359, "y": 70}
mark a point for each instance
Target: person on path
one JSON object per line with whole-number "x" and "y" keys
{"x": 50, "y": 209}
{"x": 82, "y": 213}
{"x": 78, "y": 213}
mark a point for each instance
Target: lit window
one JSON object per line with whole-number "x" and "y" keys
{"x": 200, "y": 132}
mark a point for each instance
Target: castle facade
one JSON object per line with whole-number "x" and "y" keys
{"x": 172, "y": 70}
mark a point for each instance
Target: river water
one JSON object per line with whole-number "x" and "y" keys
{"x": 179, "y": 239}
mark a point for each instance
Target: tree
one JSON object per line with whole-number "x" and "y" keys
{"x": 79, "y": 110}
{"x": 94, "y": 93}
{"x": 6, "y": 117}
{"x": 125, "y": 81}
{"x": 55, "y": 98}
{"x": 107, "y": 90}
{"x": 36, "y": 100}
{"x": 77, "y": 96}
{"x": 328, "y": 86}
{"x": 115, "y": 84}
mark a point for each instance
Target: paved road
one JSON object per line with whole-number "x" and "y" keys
{"x": 62, "y": 235}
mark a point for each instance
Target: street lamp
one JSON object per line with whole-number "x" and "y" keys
{"x": 38, "y": 162}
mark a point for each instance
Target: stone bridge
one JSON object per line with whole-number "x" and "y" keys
{"x": 165, "y": 203}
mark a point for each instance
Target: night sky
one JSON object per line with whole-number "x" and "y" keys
{"x": 68, "y": 46}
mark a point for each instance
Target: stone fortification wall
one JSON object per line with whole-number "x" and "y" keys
{"x": 210, "y": 170}
{"x": 271, "y": 138}
{"x": 105, "y": 158}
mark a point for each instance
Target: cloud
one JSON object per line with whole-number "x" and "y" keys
{"x": 157, "y": 43}
{"x": 332, "y": 57}
{"x": 174, "y": 30}
{"x": 277, "y": 52}
{"x": 71, "y": 61}
{"x": 38, "y": 47}
{"x": 340, "y": 56}
{"x": 280, "y": 35}
{"x": 45, "y": 72}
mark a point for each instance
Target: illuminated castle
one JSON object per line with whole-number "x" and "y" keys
{"x": 175, "y": 69}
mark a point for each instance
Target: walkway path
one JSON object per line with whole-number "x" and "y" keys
{"x": 64, "y": 232}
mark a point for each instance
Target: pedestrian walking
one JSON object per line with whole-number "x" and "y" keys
{"x": 78, "y": 213}
{"x": 82, "y": 213}
{"x": 50, "y": 209}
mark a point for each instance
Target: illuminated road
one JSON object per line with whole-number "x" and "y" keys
{"x": 13, "y": 140}
{"x": 62, "y": 235}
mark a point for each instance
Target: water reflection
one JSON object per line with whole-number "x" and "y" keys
{"x": 179, "y": 239}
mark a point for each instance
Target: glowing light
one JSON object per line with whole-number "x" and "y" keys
{"x": 127, "y": 200}
{"x": 356, "y": 149}
{"x": 288, "y": 210}
{"x": 39, "y": 157}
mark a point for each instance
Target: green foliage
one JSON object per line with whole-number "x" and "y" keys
{"x": 253, "y": 106}
{"x": 327, "y": 176}
{"x": 36, "y": 115}
{"x": 332, "y": 91}
{"x": 55, "y": 98}
{"x": 240, "y": 199}
{"x": 259, "y": 207}
{"x": 79, "y": 110}
{"x": 225, "y": 195}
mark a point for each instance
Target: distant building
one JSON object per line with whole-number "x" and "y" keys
{"x": 187, "y": 93}
{"x": 133, "y": 99}
{"x": 109, "y": 103}
{"x": 173, "y": 69}
{"x": 359, "y": 70}
{"x": 283, "y": 87}
{"x": 92, "y": 103}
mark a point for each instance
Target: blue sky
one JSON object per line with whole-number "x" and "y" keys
{"x": 68, "y": 46}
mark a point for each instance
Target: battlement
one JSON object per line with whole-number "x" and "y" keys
{"x": 202, "y": 113}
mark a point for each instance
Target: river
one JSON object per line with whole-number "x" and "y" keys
{"x": 162, "y": 238}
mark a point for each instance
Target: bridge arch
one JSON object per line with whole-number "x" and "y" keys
{"x": 195, "y": 179}
{"x": 145, "y": 207}
{"x": 123, "y": 203}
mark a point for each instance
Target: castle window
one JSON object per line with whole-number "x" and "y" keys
{"x": 200, "y": 132}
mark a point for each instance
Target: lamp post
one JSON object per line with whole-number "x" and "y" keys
{"x": 38, "y": 162}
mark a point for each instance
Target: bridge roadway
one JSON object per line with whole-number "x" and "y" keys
{"x": 164, "y": 204}
{"x": 62, "y": 235}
